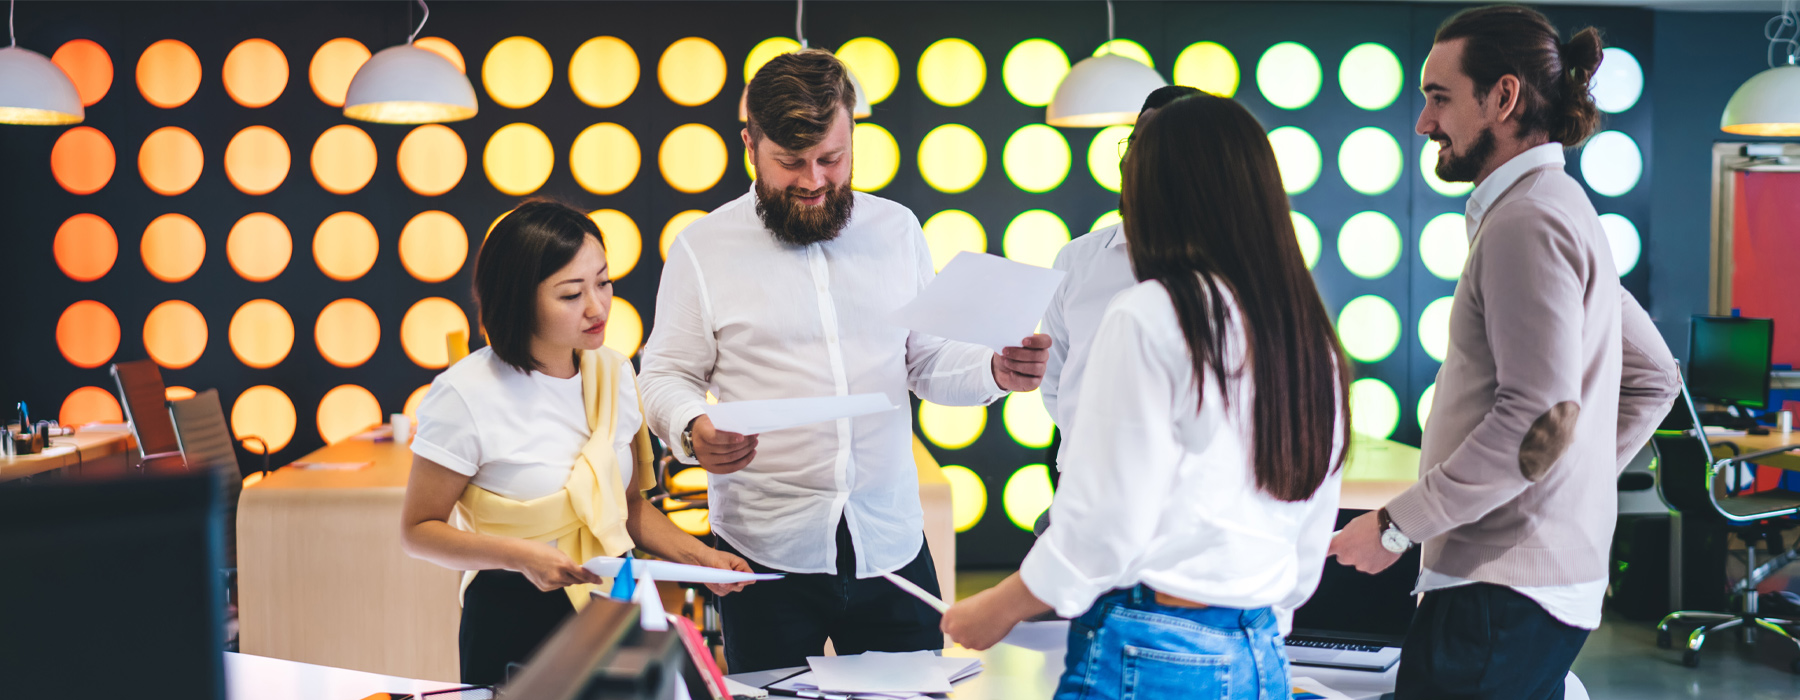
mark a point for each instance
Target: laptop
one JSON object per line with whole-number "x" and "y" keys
{"x": 1354, "y": 620}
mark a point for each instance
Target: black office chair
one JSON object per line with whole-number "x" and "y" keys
{"x": 1687, "y": 479}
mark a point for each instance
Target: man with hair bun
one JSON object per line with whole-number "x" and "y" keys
{"x": 1554, "y": 378}
{"x": 785, "y": 293}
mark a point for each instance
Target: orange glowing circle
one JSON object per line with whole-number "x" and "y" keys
{"x": 85, "y": 247}
{"x": 256, "y": 72}
{"x": 413, "y": 400}
{"x": 168, "y": 74}
{"x": 87, "y": 334}
{"x": 173, "y": 247}
{"x": 443, "y": 47}
{"x": 88, "y": 66}
{"x": 177, "y": 393}
{"x": 333, "y": 65}
{"x": 257, "y": 160}
{"x": 432, "y": 160}
{"x": 427, "y": 326}
{"x": 265, "y": 413}
{"x": 347, "y": 333}
{"x": 345, "y": 246}
{"x": 676, "y": 225}
{"x": 259, "y": 247}
{"x": 261, "y": 334}
{"x": 170, "y": 161}
{"x": 90, "y": 404}
{"x": 433, "y": 246}
{"x": 175, "y": 334}
{"x": 345, "y": 411}
{"x": 82, "y": 160}
{"x": 343, "y": 159}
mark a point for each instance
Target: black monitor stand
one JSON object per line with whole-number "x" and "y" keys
{"x": 1734, "y": 418}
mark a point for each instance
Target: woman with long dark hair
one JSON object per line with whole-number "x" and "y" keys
{"x": 1202, "y": 476}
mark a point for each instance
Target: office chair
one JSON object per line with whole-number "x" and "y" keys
{"x": 670, "y": 497}
{"x": 1688, "y": 480}
{"x": 206, "y": 444}
{"x": 146, "y": 409}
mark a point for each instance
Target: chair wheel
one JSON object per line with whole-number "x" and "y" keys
{"x": 1663, "y": 639}
{"x": 1690, "y": 659}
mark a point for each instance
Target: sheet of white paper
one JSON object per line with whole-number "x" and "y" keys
{"x": 1302, "y": 684}
{"x": 673, "y": 572}
{"x": 650, "y": 608}
{"x": 764, "y": 415}
{"x": 981, "y": 298}
{"x": 1048, "y": 635}
{"x": 917, "y": 592}
{"x": 880, "y": 672}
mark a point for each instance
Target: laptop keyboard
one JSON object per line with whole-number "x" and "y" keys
{"x": 1335, "y": 646}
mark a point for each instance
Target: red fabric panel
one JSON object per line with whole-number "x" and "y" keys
{"x": 1765, "y": 257}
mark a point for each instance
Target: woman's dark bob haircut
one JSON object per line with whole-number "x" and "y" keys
{"x": 525, "y": 248}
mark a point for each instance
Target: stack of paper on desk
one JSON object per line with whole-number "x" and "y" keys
{"x": 879, "y": 675}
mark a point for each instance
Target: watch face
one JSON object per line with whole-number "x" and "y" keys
{"x": 1393, "y": 541}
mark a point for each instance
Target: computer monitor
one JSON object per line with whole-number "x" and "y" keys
{"x": 112, "y": 589}
{"x": 1728, "y": 360}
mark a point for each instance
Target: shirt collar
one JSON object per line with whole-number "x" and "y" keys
{"x": 1117, "y": 236}
{"x": 1503, "y": 178}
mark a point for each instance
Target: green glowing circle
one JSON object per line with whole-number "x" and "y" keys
{"x": 1032, "y": 70}
{"x": 1034, "y": 238}
{"x": 1036, "y": 158}
{"x": 1434, "y": 328}
{"x": 1026, "y": 420}
{"x": 1369, "y": 244}
{"x": 951, "y": 72}
{"x": 1208, "y": 66}
{"x": 1104, "y": 155}
{"x": 1370, "y": 76}
{"x": 1374, "y": 409}
{"x": 1369, "y": 328}
{"x": 1307, "y": 233}
{"x": 952, "y": 427}
{"x": 1127, "y": 48}
{"x": 1297, "y": 155}
{"x": 952, "y": 158}
{"x": 1288, "y": 75}
{"x": 1428, "y": 158}
{"x": 968, "y": 497}
{"x": 1107, "y": 219}
{"x": 1370, "y": 160}
{"x": 1425, "y": 404}
{"x": 1444, "y": 245}
{"x": 1027, "y": 495}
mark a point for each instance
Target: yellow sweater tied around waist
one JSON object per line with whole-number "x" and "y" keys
{"x": 586, "y": 518}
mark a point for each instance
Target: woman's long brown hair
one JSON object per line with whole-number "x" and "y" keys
{"x": 1204, "y": 209}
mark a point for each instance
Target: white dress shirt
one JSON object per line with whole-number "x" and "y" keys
{"x": 750, "y": 317}
{"x": 1098, "y": 266}
{"x": 1159, "y": 488}
{"x": 1575, "y": 604}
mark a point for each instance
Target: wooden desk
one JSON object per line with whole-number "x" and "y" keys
{"x": 249, "y": 677}
{"x": 1772, "y": 449}
{"x": 1377, "y": 470}
{"x": 91, "y": 450}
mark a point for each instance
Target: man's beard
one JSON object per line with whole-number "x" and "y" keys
{"x": 1465, "y": 168}
{"x": 799, "y": 224}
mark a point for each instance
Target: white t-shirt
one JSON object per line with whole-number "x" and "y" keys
{"x": 516, "y": 433}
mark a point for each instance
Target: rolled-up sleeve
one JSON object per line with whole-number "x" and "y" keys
{"x": 680, "y": 355}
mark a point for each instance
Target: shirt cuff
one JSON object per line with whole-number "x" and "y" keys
{"x": 686, "y": 416}
{"x": 1056, "y": 582}
{"x": 990, "y": 385}
{"x": 443, "y": 457}
{"x": 1416, "y": 517}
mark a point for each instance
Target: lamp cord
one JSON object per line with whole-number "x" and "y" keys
{"x": 799, "y": 25}
{"x": 12, "y": 6}
{"x": 1109, "y": 26}
{"x": 1784, "y": 29}
{"x": 422, "y": 20}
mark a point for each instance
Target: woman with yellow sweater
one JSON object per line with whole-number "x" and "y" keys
{"x": 536, "y": 446}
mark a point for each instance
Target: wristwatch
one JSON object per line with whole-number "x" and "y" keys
{"x": 687, "y": 439}
{"x": 1391, "y": 538}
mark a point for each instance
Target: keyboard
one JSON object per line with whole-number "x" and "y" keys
{"x": 1332, "y": 645}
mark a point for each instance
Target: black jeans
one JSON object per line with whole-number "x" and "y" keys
{"x": 504, "y": 619}
{"x": 1483, "y": 641}
{"x": 777, "y": 624}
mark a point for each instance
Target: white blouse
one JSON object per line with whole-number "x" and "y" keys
{"x": 516, "y": 433}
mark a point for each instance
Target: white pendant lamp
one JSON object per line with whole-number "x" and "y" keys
{"x": 408, "y": 85}
{"x": 1105, "y": 90}
{"x": 862, "y": 110}
{"x": 33, "y": 90}
{"x": 1768, "y": 104}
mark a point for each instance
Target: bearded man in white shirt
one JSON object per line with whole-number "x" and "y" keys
{"x": 785, "y": 293}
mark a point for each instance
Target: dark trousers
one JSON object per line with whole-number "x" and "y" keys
{"x": 504, "y": 619}
{"x": 1483, "y": 641}
{"x": 777, "y": 624}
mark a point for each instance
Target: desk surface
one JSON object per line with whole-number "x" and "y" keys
{"x": 250, "y": 677}
{"x": 390, "y": 464}
{"x": 68, "y": 450}
{"x": 1771, "y": 449}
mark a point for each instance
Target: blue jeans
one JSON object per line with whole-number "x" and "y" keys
{"x": 1129, "y": 646}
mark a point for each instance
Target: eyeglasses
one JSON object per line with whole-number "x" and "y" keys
{"x": 1124, "y": 145}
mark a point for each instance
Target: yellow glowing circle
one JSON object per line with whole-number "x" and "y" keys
{"x": 874, "y": 157}
{"x": 1370, "y": 160}
{"x": 517, "y": 72}
{"x": 1307, "y": 233}
{"x": 605, "y": 158}
{"x": 433, "y": 246}
{"x": 1127, "y": 48}
{"x": 518, "y": 159}
{"x": 676, "y": 225}
{"x": 1444, "y": 245}
{"x": 624, "y": 244}
{"x": 265, "y": 413}
{"x": 170, "y": 161}
{"x": 624, "y": 328}
{"x": 952, "y": 72}
{"x": 432, "y": 159}
{"x": 692, "y": 158}
{"x": 1026, "y": 420}
{"x": 1035, "y": 237}
{"x": 175, "y": 334}
{"x": 952, "y": 427}
{"x": 1288, "y": 75}
{"x": 874, "y": 65}
{"x": 343, "y": 159}
{"x": 950, "y": 232}
{"x": 1434, "y": 328}
{"x": 425, "y": 328}
{"x": 1033, "y": 69}
{"x": 1027, "y": 495}
{"x": 603, "y": 72}
{"x": 968, "y": 497}
{"x": 1297, "y": 155}
{"x": 1370, "y": 76}
{"x": 347, "y": 333}
{"x": 345, "y": 246}
{"x": 1425, "y": 404}
{"x": 1208, "y": 66}
{"x": 414, "y": 399}
{"x": 1374, "y": 409}
{"x": 173, "y": 393}
{"x": 173, "y": 247}
{"x": 255, "y": 73}
{"x": 257, "y": 160}
{"x": 259, "y": 247}
{"x": 764, "y": 51}
{"x": 1428, "y": 160}
{"x": 1369, "y": 245}
{"x": 1369, "y": 328}
{"x": 261, "y": 333}
{"x": 1108, "y": 219}
{"x": 1104, "y": 155}
{"x": 345, "y": 411}
{"x": 332, "y": 67}
{"x": 691, "y": 71}
{"x": 952, "y": 158}
{"x": 1036, "y": 158}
